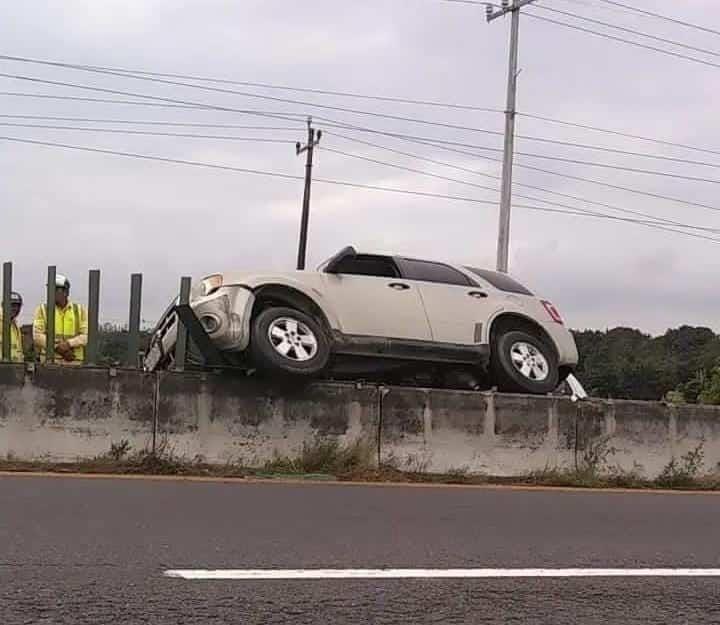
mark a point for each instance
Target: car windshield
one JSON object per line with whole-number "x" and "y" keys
{"x": 500, "y": 281}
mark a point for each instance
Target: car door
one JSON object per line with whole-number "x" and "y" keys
{"x": 457, "y": 308}
{"x": 371, "y": 299}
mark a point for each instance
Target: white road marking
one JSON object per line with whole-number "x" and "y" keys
{"x": 315, "y": 574}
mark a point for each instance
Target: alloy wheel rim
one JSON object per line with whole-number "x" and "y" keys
{"x": 293, "y": 339}
{"x": 529, "y": 361}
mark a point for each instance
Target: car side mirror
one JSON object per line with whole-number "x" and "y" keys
{"x": 334, "y": 263}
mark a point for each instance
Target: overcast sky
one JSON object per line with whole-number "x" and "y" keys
{"x": 86, "y": 210}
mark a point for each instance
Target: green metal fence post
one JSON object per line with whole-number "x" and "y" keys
{"x": 133, "y": 347}
{"x": 182, "y": 337}
{"x": 6, "y": 291}
{"x": 50, "y": 316}
{"x": 91, "y": 352}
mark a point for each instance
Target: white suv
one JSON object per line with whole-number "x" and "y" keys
{"x": 367, "y": 313}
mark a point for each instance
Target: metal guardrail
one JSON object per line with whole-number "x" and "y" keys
{"x": 50, "y": 316}
{"x": 91, "y": 351}
{"x": 133, "y": 346}
{"x": 182, "y": 337}
{"x": 7, "y": 290}
{"x": 132, "y": 355}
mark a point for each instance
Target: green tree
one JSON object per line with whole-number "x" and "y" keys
{"x": 710, "y": 393}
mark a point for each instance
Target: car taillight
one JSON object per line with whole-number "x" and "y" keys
{"x": 553, "y": 312}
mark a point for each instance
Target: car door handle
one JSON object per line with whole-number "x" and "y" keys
{"x": 398, "y": 286}
{"x": 478, "y": 294}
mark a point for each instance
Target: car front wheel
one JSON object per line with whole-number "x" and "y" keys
{"x": 289, "y": 341}
{"x": 523, "y": 363}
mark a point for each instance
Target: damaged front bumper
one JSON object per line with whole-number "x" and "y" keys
{"x": 219, "y": 322}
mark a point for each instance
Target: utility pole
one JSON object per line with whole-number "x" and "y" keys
{"x": 308, "y": 148}
{"x": 512, "y": 7}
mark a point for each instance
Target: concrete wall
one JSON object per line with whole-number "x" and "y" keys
{"x": 57, "y": 413}
{"x": 230, "y": 420}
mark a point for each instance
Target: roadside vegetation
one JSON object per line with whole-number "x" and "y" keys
{"x": 681, "y": 366}
{"x": 327, "y": 460}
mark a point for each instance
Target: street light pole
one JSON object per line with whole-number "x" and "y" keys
{"x": 308, "y": 148}
{"x": 512, "y": 7}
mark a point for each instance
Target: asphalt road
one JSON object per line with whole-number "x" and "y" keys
{"x": 80, "y": 551}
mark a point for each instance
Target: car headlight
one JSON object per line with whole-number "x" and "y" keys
{"x": 211, "y": 284}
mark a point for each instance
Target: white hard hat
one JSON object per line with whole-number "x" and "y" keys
{"x": 61, "y": 282}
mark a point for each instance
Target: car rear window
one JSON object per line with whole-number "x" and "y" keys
{"x": 500, "y": 281}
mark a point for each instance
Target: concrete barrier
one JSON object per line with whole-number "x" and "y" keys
{"x": 229, "y": 420}
{"x": 57, "y": 413}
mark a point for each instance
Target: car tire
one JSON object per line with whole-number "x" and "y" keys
{"x": 285, "y": 340}
{"x": 521, "y": 362}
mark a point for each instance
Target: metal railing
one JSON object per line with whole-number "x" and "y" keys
{"x": 132, "y": 356}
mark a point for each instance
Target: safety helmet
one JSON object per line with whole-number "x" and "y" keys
{"x": 61, "y": 282}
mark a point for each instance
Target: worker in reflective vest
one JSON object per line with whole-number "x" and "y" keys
{"x": 71, "y": 327}
{"x": 16, "y": 349}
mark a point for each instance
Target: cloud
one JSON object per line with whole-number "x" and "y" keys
{"x": 83, "y": 211}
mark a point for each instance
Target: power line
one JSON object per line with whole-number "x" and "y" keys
{"x": 292, "y": 128}
{"x": 636, "y": 170}
{"x": 354, "y": 111}
{"x": 343, "y": 183}
{"x": 20, "y": 94}
{"x": 126, "y": 131}
{"x": 408, "y": 169}
{"x": 616, "y": 4}
{"x": 621, "y": 40}
{"x": 605, "y": 35}
{"x": 214, "y": 107}
{"x": 531, "y": 167}
{"x": 234, "y": 92}
{"x": 301, "y": 115}
{"x": 287, "y": 141}
{"x": 495, "y": 190}
{"x": 627, "y": 30}
{"x": 547, "y": 157}
{"x": 662, "y": 17}
{"x": 344, "y": 94}
{"x": 618, "y": 133}
{"x": 146, "y": 122}
{"x": 598, "y": 148}
{"x": 338, "y": 125}
{"x": 433, "y": 141}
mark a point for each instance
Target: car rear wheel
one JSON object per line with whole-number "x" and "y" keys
{"x": 521, "y": 362}
{"x": 289, "y": 341}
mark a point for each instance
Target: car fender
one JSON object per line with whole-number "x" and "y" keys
{"x": 562, "y": 340}
{"x": 510, "y": 308}
{"x": 309, "y": 285}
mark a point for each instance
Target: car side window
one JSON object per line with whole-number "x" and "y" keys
{"x": 366, "y": 265}
{"x": 427, "y": 271}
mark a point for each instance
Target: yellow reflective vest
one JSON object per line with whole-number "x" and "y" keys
{"x": 71, "y": 325}
{"x": 16, "y": 349}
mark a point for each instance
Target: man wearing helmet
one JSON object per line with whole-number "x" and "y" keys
{"x": 16, "y": 350}
{"x": 71, "y": 326}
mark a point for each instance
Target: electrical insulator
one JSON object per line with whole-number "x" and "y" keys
{"x": 488, "y": 10}
{"x": 505, "y": 4}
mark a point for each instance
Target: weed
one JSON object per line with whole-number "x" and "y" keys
{"x": 417, "y": 463}
{"x": 684, "y": 472}
{"x": 118, "y": 451}
{"x": 595, "y": 457}
{"x": 324, "y": 456}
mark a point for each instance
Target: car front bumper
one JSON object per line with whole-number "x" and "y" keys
{"x": 224, "y": 315}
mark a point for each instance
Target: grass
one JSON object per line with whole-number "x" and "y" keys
{"x": 328, "y": 459}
